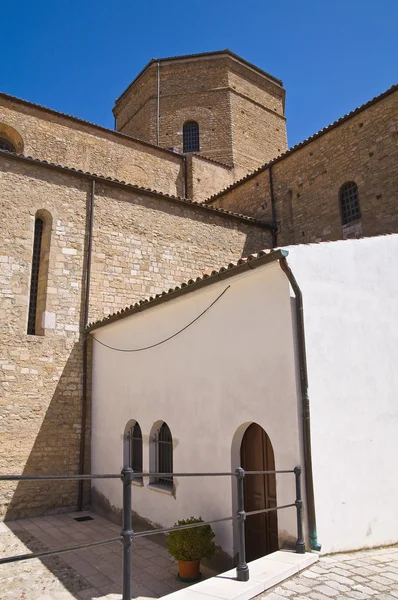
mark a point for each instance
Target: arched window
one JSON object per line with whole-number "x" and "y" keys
{"x": 5, "y": 144}
{"x": 191, "y": 137}
{"x": 39, "y": 274}
{"x": 164, "y": 455}
{"x": 135, "y": 448}
{"x": 349, "y": 203}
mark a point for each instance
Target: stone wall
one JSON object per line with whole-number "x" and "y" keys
{"x": 258, "y": 121}
{"x": 206, "y": 177}
{"x": 240, "y": 111}
{"x": 142, "y": 244}
{"x": 73, "y": 143}
{"x": 306, "y": 182}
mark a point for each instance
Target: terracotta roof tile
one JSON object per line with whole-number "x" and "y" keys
{"x": 243, "y": 264}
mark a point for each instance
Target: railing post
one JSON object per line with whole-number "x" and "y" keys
{"x": 126, "y": 535}
{"x": 242, "y": 570}
{"x": 300, "y": 544}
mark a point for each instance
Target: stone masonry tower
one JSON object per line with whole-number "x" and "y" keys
{"x": 216, "y": 104}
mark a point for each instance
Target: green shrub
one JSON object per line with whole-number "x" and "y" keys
{"x": 191, "y": 544}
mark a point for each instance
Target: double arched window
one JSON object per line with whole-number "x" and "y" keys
{"x": 349, "y": 203}
{"x": 191, "y": 137}
{"x": 161, "y": 453}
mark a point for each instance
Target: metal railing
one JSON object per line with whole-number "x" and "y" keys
{"x": 127, "y": 534}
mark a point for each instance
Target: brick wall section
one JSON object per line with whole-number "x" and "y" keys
{"x": 205, "y": 177}
{"x": 141, "y": 245}
{"x": 363, "y": 148}
{"x": 229, "y": 100}
{"x": 258, "y": 121}
{"x": 136, "y": 111}
{"x": 73, "y": 143}
{"x": 189, "y": 91}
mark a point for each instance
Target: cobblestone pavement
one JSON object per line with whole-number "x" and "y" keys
{"x": 92, "y": 573}
{"x": 368, "y": 574}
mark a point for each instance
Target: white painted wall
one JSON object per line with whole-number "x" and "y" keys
{"x": 234, "y": 366}
{"x": 350, "y": 292}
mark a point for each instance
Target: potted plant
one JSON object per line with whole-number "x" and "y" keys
{"x": 189, "y": 546}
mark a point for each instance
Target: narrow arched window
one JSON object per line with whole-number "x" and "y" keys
{"x": 39, "y": 273}
{"x": 191, "y": 137}
{"x": 164, "y": 454}
{"x": 349, "y": 203}
{"x": 5, "y": 144}
{"x": 135, "y": 448}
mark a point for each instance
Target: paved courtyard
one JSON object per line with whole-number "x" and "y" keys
{"x": 369, "y": 574}
{"x": 96, "y": 573}
{"x": 92, "y": 573}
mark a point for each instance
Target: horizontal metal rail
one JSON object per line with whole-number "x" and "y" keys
{"x": 267, "y": 510}
{"x": 57, "y": 477}
{"x": 127, "y": 534}
{"x": 136, "y": 475}
{"x": 18, "y": 558}
{"x": 179, "y": 527}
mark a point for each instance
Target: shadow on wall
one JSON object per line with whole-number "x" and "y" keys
{"x": 55, "y": 450}
{"x": 182, "y": 232}
{"x": 256, "y": 243}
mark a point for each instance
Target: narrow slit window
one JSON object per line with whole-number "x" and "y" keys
{"x": 191, "y": 137}
{"x": 349, "y": 203}
{"x": 34, "y": 280}
{"x": 135, "y": 448}
{"x": 164, "y": 441}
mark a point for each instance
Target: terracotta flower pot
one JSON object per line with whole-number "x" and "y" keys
{"x": 189, "y": 571}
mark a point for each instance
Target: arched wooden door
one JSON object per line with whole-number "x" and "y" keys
{"x": 261, "y": 531}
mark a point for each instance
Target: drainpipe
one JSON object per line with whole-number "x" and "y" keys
{"x": 309, "y": 482}
{"x": 158, "y": 107}
{"x": 185, "y": 176}
{"x": 273, "y": 209}
{"x": 85, "y": 349}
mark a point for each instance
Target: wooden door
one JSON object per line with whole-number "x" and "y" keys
{"x": 261, "y": 531}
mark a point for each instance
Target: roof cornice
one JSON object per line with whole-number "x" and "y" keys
{"x": 187, "y": 57}
{"x": 130, "y": 187}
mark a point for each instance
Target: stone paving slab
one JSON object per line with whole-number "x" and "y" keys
{"x": 363, "y": 575}
{"x": 89, "y": 574}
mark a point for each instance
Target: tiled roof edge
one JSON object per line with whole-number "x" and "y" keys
{"x": 200, "y": 55}
{"x": 313, "y": 137}
{"x": 244, "y": 264}
{"x": 212, "y": 160}
{"x": 130, "y": 186}
{"x": 84, "y": 122}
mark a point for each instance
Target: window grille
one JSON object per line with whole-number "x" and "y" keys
{"x": 164, "y": 455}
{"x": 6, "y": 145}
{"x": 349, "y": 203}
{"x": 135, "y": 448}
{"x": 191, "y": 137}
{"x": 34, "y": 281}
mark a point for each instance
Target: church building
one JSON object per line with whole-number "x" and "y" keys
{"x": 196, "y": 175}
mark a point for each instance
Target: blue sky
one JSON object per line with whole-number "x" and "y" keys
{"x": 77, "y": 56}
